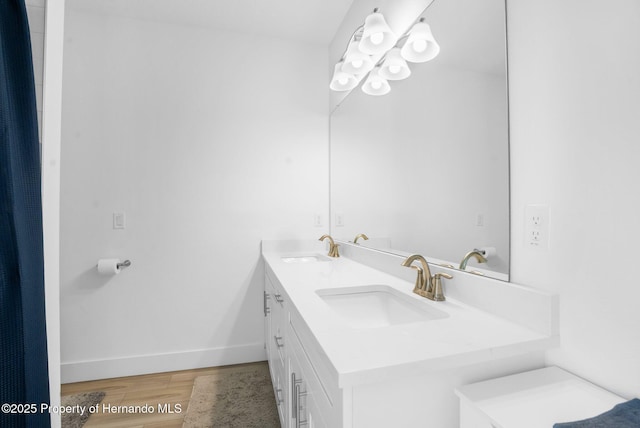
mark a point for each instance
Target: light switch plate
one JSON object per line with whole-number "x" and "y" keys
{"x": 119, "y": 221}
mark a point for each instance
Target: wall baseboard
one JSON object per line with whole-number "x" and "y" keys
{"x": 80, "y": 371}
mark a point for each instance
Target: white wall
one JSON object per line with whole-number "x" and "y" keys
{"x": 575, "y": 109}
{"x": 47, "y": 61}
{"x": 208, "y": 141}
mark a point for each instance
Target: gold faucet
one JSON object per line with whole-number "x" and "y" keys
{"x": 426, "y": 285}
{"x": 475, "y": 253}
{"x": 423, "y": 283}
{"x": 361, "y": 235}
{"x": 333, "y": 247}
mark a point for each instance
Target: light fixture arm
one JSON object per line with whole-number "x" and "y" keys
{"x": 353, "y": 38}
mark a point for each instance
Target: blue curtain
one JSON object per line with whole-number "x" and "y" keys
{"x": 24, "y": 377}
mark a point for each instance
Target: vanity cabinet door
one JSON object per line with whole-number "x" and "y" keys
{"x": 305, "y": 411}
{"x": 310, "y": 406}
{"x": 279, "y": 380}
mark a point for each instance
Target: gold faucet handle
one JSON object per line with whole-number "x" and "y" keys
{"x": 438, "y": 294}
{"x": 420, "y": 282}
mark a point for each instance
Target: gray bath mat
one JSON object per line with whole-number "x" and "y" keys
{"x": 83, "y": 400}
{"x": 236, "y": 397}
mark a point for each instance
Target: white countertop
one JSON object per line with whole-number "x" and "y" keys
{"x": 360, "y": 355}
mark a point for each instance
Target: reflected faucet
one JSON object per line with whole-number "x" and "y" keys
{"x": 333, "y": 247}
{"x": 361, "y": 235}
{"x": 426, "y": 285}
{"x": 477, "y": 254}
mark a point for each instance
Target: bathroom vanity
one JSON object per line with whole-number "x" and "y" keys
{"x": 351, "y": 346}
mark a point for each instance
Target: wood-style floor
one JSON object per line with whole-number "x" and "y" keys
{"x": 155, "y": 389}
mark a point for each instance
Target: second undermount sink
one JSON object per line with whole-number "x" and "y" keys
{"x": 371, "y": 306}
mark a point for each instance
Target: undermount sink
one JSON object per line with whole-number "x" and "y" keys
{"x": 310, "y": 258}
{"x": 371, "y": 306}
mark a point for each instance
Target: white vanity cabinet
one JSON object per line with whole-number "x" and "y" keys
{"x": 309, "y": 395}
{"x": 301, "y": 398}
{"x": 276, "y": 320}
{"x": 328, "y": 373}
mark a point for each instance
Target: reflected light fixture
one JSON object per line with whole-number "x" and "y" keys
{"x": 421, "y": 46}
{"x": 375, "y": 52}
{"x": 394, "y": 67}
{"x": 377, "y": 37}
{"x": 356, "y": 62}
{"x": 342, "y": 81}
{"x": 376, "y": 84}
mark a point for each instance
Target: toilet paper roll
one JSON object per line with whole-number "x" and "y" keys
{"x": 109, "y": 266}
{"x": 488, "y": 252}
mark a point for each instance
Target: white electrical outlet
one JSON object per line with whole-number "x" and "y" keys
{"x": 317, "y": 220}
{"x": 536, "y": 226}
{"x": 339, "y": 220}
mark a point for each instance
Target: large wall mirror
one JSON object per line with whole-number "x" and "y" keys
{"x": 425, "y": 168}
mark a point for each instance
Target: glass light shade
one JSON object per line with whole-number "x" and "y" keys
{"x": 377, "y": 37}
{"x": 394, "y": 67}
{"x": 355, "y": 62}
{"x": 376, "y": 84}
{"x": 342, "y": 81}
{"x": 420, "y": 46}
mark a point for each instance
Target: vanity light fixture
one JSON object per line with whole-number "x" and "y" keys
{"x": 377, "y": 37}
{"x": 376, "y": 84}
{"x": 421, "y": 46}
{"x": 394, "y": 67}
{"x": 342, "y": 81}
{"x": 375, "y": 52}
{"x": 355, "y": 61}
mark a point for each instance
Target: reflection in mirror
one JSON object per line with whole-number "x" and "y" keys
{"x": 425, "y": 168}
